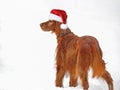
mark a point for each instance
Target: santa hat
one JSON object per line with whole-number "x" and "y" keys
{"x": 60, "y": 16}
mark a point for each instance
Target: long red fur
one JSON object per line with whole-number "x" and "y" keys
{"x": 76, "y": 55}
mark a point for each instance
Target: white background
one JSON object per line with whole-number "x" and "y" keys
{"x": 27, "y": 54}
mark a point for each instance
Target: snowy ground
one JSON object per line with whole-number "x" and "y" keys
{"x": 27, "y": 53}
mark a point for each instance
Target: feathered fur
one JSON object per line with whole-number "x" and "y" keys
{"x": 76, "y": 55}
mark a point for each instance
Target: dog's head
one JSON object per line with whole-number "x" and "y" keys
{"x": 50, "y": 25}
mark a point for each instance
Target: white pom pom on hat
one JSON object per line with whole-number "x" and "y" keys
{"x": 60, "y": 16}
{"x": 63, "y": 26}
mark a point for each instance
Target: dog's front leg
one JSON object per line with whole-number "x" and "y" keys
{"x": 59, "y": 76}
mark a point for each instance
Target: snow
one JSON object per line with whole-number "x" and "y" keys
{"x": 27, "y": 54}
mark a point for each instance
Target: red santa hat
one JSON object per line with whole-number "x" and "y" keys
{"x": 60, "y": 16}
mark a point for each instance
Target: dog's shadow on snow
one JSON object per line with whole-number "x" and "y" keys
{"x": 92, "y": 86}
{"x": 95, "y": 87}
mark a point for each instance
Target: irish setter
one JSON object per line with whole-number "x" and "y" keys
{"x": 76, "y": 55}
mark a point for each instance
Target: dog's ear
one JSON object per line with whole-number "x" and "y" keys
{"x": 56, "y": 26}
{"x": 52, "y": 25}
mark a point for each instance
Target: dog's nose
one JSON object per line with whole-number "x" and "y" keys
{"x": 40, "y": 24}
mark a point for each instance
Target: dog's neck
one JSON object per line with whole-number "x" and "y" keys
{"x": 63, "y": 32}
{"x": 60, "y": 32}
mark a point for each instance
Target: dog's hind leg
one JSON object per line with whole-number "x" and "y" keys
{"x": 84, "y": 64}
{"x": 73, "y": 78}
{"x": 107, "y": 77}
{"x": 84, "y": 80}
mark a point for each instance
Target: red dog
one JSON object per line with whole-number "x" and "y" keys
{"x": 75, "y": 54}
